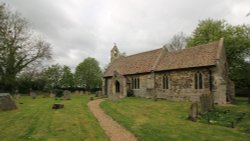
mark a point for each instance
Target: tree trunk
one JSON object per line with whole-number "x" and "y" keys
{"x": 9, "y": 82}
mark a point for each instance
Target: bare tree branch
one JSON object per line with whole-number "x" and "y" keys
{"x": 19, "y": 46}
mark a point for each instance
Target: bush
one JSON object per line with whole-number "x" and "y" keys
{"x": 130, "y": 93}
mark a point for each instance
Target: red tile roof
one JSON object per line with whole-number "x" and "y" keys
{"x": 161, "y": 59}
{"x": 204, "y": 55}
{"x": 138, "y": 63}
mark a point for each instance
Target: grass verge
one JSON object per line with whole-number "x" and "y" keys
{"x": 167, "y": 120}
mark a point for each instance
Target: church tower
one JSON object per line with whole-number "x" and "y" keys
{"x": 115, "y": 53}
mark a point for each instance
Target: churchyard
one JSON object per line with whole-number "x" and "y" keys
{"x": 35, "y": 120}
{"x": 165, "y": 120}
{"x": 147, "y": 119}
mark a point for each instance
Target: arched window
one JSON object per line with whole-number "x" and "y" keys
{"x": 165, "y": 82}
{"x": 117, "y": 87}
{"x": 135, "y": 83}
{"x": 198, "y": 80}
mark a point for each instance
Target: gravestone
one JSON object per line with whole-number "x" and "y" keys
{"x": 81, "y": 93}
{"x": 206, "y": 103}
{"x": 57, "y": 106}
{"x": 33, "y": 94}
{"x": 52, "y": 95}
{"x": 98, "y": 93}
{"x": 6, "y": 102}
{"x": 66, "y": 95}
{"x": 77, "y": 92}
{"x": 193, "y": 111}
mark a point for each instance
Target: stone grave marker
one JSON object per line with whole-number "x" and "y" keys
{"x": 57, "y": 106}
{"x": 66, "y": 95}
{"x": 6, "y": 102}
{"x": 194, "y": 111}
{"x": 33, "y": 94}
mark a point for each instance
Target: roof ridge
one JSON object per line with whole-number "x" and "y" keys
{"x": 143, "y": 52}
{"x": 201, "y": 45}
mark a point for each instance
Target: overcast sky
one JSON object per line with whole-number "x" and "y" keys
{"x": 88, "y": 28}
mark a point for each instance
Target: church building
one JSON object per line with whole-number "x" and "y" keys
{"x": 184, "y": 74}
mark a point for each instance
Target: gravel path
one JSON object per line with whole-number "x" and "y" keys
{"x": 114, "y": 130}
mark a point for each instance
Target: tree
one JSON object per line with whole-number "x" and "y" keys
{"x": 31, "y": 78}
{"x": 19, "y": 47}
{"x": 177, "y": 42}
{"x": 88, "y": 74}
{"x": 53, "y": 75}
{"x": 236, "y": 42}
{"x": 67, "y": 79}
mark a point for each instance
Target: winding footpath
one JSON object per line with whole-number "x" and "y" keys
{"x": 114, "y": 130}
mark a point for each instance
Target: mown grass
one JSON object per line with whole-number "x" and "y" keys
{"x": 167, "y": 120}
{"x": 36, "y": 121}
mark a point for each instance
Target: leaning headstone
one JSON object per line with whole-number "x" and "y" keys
{"x": 33, "y": 94}
{"x": 6, "y": 102}
{"x": 52, "y": 95}
{"x": 98, "y": 93}
{"x": 66, "y": 95}
{"x": 193, "y": 112}
{"x": 81, "y": 92}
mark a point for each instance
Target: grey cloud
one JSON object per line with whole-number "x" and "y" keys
{"x": 81, "y": 28}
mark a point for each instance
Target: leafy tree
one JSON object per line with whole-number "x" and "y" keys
{"x": 236, "y": 42}
{"x": 177, "y": 42}
{"x": 53, "y": 75}
{"x": 88, "y": 74}
{"x": 19, "y": 47}
{"x": 67, "y": 79}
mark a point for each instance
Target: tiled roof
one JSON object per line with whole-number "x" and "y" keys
{"x": 204, "y": 55}
{"x": 161, "y": 59}
{"x": 138, "y": 63}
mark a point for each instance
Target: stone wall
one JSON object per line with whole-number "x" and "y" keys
{"x": 182, "y": 85}
{"x": 223, "y": 87}
{"x": 111, "y": 87}
{"x": 146, "y": 83}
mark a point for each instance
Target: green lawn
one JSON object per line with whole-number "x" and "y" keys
{"x": 167, "y": 120}
{"x": 36, "y": 121}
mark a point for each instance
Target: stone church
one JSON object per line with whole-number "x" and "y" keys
{"x": 175, "y": 75}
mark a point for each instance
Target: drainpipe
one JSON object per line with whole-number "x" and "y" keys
{"x": 211, "y": 86}
{"x": 154, "y": 90}
{"x": 210, "y": 80}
